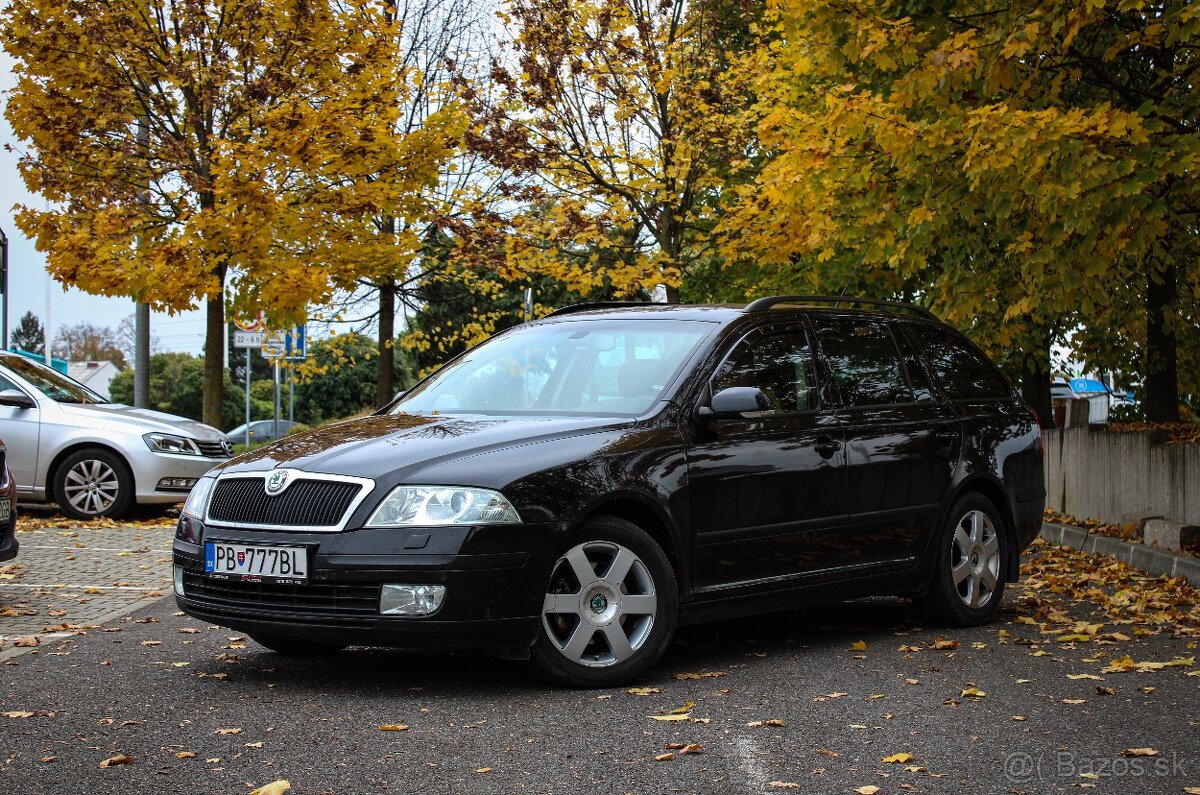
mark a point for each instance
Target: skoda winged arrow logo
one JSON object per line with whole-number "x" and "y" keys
{"x": 276, "y": 481}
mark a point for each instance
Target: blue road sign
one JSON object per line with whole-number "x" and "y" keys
{"x": 296, "y": 342}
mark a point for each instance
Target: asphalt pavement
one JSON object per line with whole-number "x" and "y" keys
{"x": 839, "y": 699}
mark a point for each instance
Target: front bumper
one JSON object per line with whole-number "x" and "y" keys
{"x": 150, "y": 467}
{"x": 495, "y": 579}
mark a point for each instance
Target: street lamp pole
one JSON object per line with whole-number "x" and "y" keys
{"x": 4, "y": 289}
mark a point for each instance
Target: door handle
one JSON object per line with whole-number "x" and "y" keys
{"x": 946, "y": 437}
{"x": 826, "y": 446}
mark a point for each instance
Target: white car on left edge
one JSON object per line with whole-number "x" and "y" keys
{"x": 69, "y": 445}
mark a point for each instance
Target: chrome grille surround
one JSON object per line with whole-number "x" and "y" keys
{"x": 364, "y": 488}
{"x": 215, "y": 449}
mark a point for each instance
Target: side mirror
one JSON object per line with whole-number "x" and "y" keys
{"x": 736, "y": 402}
{"x": 15, "y": 398}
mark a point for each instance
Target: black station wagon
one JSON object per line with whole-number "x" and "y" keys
{"x": 577, "y": 487}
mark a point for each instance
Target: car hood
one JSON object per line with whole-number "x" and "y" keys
{"x": 378, "y": 446}
{"x": 146, "y": 419}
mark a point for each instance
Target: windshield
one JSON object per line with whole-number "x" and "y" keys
{"x": 601, "y": 367}
{"x": 50, "y": 382}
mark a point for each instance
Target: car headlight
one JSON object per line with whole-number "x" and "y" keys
{"x": 442, "y": 505}
{"x": 197, "y": 499}
{"x": 168, "y": 443}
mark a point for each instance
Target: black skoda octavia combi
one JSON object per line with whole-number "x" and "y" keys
{"x": 577, "y": 487}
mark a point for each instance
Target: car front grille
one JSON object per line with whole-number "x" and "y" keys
{"x": 306, "y": 502}
{"x": 215, "y": 449}
{"x": 324, "y": 599}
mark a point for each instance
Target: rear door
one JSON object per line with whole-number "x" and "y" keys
{"x": 902, "y": 444}
{"x": 764, "y": 492}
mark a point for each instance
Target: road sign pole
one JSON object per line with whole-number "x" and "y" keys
{"x": 276, "y": 424}
{"x": 247, "y": 436}
{"x": 291, "y": 395}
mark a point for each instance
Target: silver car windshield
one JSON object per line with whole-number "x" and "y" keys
{"x": 50, "y": 382}
{"x": 608, "y": 367}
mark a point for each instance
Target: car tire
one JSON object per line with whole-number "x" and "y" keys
{"x": 968, "y": 576}
{"x": 289, "y": 647}
{"x": 93, "y": 482}
{"x": 610, "y": 609}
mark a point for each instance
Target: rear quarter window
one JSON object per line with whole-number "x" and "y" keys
{"x": 960, "y": 371}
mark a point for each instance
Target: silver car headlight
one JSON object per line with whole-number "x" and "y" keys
{"x": 197, "y": 499}
{"x": 442, "y": 505}
{"x": 169, "y": 443}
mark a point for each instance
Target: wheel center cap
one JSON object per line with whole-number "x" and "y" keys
{"x": 598, "y": 603}
{"x": 975, "y": 559}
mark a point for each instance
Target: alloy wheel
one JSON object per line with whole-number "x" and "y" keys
{"x": 975, "y": 559}
{"x": 91, "y": 486}
{"x": 601, "y": 604}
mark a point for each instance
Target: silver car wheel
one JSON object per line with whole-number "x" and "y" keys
{"x": 601, "y": 604}
{"x": 91, "y": 486}
{"x": 975, "y": 559}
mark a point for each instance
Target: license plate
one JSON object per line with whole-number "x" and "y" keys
{"x": 5, "y": 509}
{"x": 253, "y": 563}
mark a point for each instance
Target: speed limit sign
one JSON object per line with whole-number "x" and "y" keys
{"x": 257, "y": 323}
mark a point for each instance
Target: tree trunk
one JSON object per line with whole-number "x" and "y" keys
{"x": 214, "y": 360}
{"x": 1035, "y": 381}
{"x": 385, "y": 386}
{"x": 1161, "y": 400}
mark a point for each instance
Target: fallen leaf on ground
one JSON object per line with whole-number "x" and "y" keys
{"x": 29, "y": 640}
{"x": 228, "y": 731}
{"x": 943, "y": 644}
{"x": 643, "y": 691}
{"x": 767, "y": 722}
{"x": 393, "y": 727}
{"x": 701, "y": 675}
{"x": 859, "y": 645}
{"x": 186, "y": 755}
{"x": 1086, "y": 676}
{"x": 783, "y": 784}
{"x": 668, "y": 717}
{"x": 1139, "y": 752}
{"x": 17, "y": 713}
{"x": 686, "y": 708}
{"x": 274, "y": 788}
{"x": 973, "y": 692}
{"x": 897, "y": 759}
{"x": 48, "y": 759}
{"x": 119, "y": 759}
{"x": 870, "y": 789}
{"x": 664, "y": 757}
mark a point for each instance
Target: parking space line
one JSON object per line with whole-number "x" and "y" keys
{"x": 98, "y": 549}
{"x": 61, "y": 587}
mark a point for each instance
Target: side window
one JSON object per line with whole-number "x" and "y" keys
{"x": 6, "y": 385}
{"x": 961, "y": 372}
{"x": 781, "y": 365}
{"x": 865, "y": 362}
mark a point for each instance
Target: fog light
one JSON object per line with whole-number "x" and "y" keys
{"x": 179, "y": 581}
{"x": 411, "y": 600}
{"x": 174, "y": 484}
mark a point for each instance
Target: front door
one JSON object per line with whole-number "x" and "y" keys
{"x": 20, "y": 428}
{"x": 765, "y": 490}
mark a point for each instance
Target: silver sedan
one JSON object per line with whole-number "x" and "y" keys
{"x": 69, "y": 445}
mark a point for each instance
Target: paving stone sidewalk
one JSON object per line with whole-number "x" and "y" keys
{"x": 72, "y": 579}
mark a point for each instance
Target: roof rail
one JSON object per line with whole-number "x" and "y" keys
{"x": 766, "y": 303}
{"x": 573, "y": 308}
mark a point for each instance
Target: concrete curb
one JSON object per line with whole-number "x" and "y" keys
{"x": 112, "y": 615}
{"x": 1151, "y": 560}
